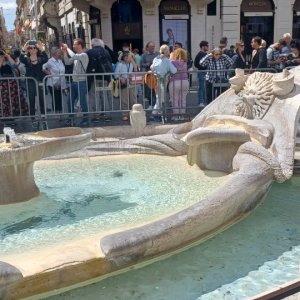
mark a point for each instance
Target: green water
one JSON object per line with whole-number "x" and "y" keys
{"x": 256, "y": 254}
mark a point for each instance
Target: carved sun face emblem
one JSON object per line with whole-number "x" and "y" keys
{"x": 256, "y": 96}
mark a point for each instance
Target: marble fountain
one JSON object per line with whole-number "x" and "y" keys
{"x": 248, "y": 132}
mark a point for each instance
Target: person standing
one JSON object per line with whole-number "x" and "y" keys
{"x": 179, "y": 84}
{"x": 126, "y": 65}
{"x": 56, "y": 84}
{"x": 162, "y": 67}
{"x": 80, "y": 62}
{"x": 12, "y": 101}
{"x": 223, "y": 46}
{"x": 259, "y": 54}
{"x": 293, "y": 59}
{"x": 239, "y": 59}
{"x": 216, "y": 63}
{"x": 33, "y": 60}
{"x": 146, "y": 61}
{"x": 201, "y": 74}
{"x": 287, "y": 48}
{"x": 100, "y": 62}
{"x": 137, "y": 58}
{"x": 275, "y": 60}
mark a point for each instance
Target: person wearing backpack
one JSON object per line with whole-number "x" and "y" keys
{"x": 100, "y": 62}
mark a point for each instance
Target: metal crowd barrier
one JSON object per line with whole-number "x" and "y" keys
{"x": 61, "y": 101}
{"x": 20, "y": 100}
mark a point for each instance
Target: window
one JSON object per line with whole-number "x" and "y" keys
{"x": 212, "y": 8}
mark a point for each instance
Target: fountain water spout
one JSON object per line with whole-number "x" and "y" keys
{"x": 9, "y": 134}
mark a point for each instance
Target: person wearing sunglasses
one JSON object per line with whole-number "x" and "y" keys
{"x": 216, "y": 63}
{"x": 239, "y": 59}
{"x": 33, "y": 57}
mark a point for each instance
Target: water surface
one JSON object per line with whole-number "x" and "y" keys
{"x": 254, "y": 255}
{"x": 82, "y": 197}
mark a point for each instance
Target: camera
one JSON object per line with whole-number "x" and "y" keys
{"x": 290, "y": 56}
{"x": 2, "y": 52}
{"x": 32, "y": 43}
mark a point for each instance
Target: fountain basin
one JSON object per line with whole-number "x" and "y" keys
{"x": 16, "y": 164}
{"x": 256, "y": 131}
{"x": 104, "y": 253}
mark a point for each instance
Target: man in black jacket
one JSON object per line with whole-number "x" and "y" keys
{"x": 259, "y": 55}
{"x": 100, "y": 62}
{"x": 201, "y": 75}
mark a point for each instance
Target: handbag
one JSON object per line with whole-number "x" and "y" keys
{"x": 136, "y": 79}
{"x": 151, "y": 80}
{"x": 123, "y": 85}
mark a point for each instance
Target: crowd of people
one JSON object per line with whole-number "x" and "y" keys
{"x": 170, "y": 66}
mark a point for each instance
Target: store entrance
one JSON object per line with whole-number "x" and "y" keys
{"x": 262, "y": 26}
{"x": 175, "y": 24}
{"x": 127, "y": 25}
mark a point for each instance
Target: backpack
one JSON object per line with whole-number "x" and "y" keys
{"x": 99, "y": 64}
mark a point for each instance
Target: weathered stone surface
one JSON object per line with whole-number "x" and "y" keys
{"x": 8, "y": 274}
{"x": 248, "y": 131}
{"x": 17, "y": 182}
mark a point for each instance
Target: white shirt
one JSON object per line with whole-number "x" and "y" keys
{"x": 55, "y": 67}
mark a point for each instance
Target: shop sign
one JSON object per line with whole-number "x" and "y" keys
{"x": 174, "y": 8}
{"x": 127, "y": 31}
{"x": 256, "y": 5}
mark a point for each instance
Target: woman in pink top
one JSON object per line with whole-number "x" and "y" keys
{"x": 179, "y": 84}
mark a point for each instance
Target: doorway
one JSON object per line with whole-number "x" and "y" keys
{"x": 127, "y": 24}
{"x": 257, "y": 19}
{"x": 256, "y": 26}
{"x": 296, "y": 20}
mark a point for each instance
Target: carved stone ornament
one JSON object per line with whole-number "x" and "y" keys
{"x": 149, "y": 7}
{"x": 257, "y": 92}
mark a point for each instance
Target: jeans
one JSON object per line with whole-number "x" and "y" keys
{"x": 201, "y": 90}
{"x": 78, "y": 89}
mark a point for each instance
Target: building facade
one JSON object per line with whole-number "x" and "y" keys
{"x": 187, "y": 21}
